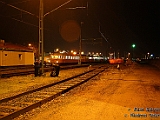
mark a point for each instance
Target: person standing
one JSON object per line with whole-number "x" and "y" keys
{"x": 36, "y": 68}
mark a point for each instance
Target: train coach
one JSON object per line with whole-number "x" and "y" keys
{"x": 66, "y": 58}
{"x": 116, "y": 61}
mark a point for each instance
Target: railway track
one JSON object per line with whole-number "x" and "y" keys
{"x": 9, "y": 72}
{"x": 16, "y": 105}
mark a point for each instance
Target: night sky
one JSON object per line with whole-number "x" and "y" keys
{"x": 122, "y": 22}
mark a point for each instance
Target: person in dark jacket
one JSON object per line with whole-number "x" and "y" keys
{"x": 36, "y": 68}
{"x": 55, "y": 70}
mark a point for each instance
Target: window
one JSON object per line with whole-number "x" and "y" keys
{"x": 20, "y": 56}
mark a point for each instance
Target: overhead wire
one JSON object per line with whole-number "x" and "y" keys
{"x": 98, "y": 29}
{"x": 22, "y": 12}
{"x": 25, "y": 22}
{"x": 57, "y": 8}
{"x": 19, "y": 9}
{"x": 20, "y": 2}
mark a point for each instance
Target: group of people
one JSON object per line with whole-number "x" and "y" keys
{"x": 38, "y": 65}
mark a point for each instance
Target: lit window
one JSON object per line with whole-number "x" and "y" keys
{"x": 56, "y": 57}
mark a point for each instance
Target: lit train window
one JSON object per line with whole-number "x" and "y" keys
{"x": 76, "y": 57}
{"x": 56, "y": 57}
{"x": 89, "y": 57}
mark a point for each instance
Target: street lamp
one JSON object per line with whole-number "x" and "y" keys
{"x": 133, "y": 46}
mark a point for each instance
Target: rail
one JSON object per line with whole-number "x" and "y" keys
{"x": 14, "y": 106}
{"x": 17, "y": 71}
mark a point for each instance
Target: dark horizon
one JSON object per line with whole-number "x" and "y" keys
{"x": 123, "y": 23}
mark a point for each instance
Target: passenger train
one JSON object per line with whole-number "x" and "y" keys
{"x": 69, "y": 58}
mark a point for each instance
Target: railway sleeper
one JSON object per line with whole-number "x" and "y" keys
{"x": 48, "y": 92}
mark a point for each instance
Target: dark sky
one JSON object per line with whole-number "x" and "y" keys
{"x": 122, "y": 22}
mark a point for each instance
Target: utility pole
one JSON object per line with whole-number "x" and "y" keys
{"x": 41, "y": 37}
{"x": 41, "y": 29}
{"x": 80, "y": 45}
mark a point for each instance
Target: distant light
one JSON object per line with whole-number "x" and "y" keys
{"x": 63, "y": 51}
{"x": 74, "y": 53}
{"x": 29, "y": 45}
{"x": 82, "y": 53}
{"x": 133, "y": 45}
{"x": 151, "y": 55}
{"x": 57, "y": 50}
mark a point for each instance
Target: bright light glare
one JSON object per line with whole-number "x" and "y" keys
{"x": 133, "y": 45}
{"x": 74, "y": 53}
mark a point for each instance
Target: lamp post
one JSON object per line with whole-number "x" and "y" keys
{"x": 133, "y": 46}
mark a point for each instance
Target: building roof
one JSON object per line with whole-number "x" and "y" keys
{"x": 14, "y": 47}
